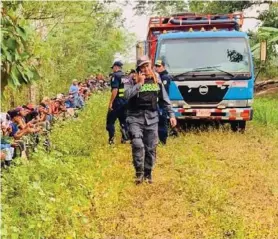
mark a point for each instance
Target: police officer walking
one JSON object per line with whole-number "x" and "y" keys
{"x": 142, "y": 117}
{"x": 117, "y": 104}
{"x": 163, "y": 121}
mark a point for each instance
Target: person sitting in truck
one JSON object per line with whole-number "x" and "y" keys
{"x": 163, "y": 121}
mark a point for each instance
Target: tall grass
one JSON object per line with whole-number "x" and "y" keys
{"x": 49, "y": 196}
{"x": 266, "y": 111}
{"x": 214, "y": 184}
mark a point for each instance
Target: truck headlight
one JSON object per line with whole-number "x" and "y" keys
{"x": 232, "y": 103}
{"x": 237, "y": 103}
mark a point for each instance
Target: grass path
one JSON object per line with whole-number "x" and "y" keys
{"x": 207, "y": 185}
{"x": 214, "y": 184}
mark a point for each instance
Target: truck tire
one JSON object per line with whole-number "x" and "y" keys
{"x": 238, "y": 126}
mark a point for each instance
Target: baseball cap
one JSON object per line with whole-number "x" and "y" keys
{"x": 159, "y": 63}
{"x": 117, "y": 63}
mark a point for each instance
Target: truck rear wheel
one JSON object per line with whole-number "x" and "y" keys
{"x": 238, "y": 126}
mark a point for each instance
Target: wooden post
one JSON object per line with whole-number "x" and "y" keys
{"x": 263, "y": 52}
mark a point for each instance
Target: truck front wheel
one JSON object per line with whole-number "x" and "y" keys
{"x": 238, "y": 126}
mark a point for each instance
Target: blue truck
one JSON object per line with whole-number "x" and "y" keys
{"x": 210, "y": 61}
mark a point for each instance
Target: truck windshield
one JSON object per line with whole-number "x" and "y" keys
{"x": 228, "y": 54}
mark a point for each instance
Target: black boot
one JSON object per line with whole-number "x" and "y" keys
{"x": 111, "y": 140}
{"x": 139, "y": 178}
{"x": 163, "y": 141}
{"x": 148, "y": 175}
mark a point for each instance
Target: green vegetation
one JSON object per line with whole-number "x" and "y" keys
{"x": 266, "y": 110}
{"x": 203, "y": 187}
{"x": 18, "y": 67}
{"x": 51, "y": 196}
{"x": 59, "y": 40}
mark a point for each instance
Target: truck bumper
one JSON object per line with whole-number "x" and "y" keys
{"x": 227, "y": 114}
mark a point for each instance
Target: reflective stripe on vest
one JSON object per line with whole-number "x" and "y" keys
{"x": 121, "y": 92}
{"x": 149, "y": 87}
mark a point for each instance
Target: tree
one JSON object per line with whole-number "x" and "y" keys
{"x": 268, "y": 31}
{"x": 219, "y": 7}
{"x": 170, "y": 7}
{"x": 152, "y": 7}
{"x": 68, "y": 40}
{"x": 18, "y": 64}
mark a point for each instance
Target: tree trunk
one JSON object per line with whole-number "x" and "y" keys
{"x": 32, "y": 93}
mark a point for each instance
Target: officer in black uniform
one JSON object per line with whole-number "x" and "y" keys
{"x": 142, "y": 117}
{"x": 117, "y": 104}
{"x": 163, "y": 121}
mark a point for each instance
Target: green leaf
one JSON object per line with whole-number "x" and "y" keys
{"x": 36, "y": 74}
{"x": 255, "y": 47}
{"x": 22, "y": 73}
{"x": 24, "y": 56}
{"x": 274, "y": 39}
{"x": 15, "y": 76}
{"x": 16, "y": 56}
{"x": 269, "y": 29}
{"x": 12, "y": 44}
{"x": 29, "y": 73}
{"x": 9, "y": 56}
{"x": 21, "y": 32}
{"x": 263, "y": 35}
{"x": 6, "y": 54}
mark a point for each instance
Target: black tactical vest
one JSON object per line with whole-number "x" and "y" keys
{"x": 147, "y": 97}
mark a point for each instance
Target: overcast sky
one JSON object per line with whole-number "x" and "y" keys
{"x": 138, "y": 24}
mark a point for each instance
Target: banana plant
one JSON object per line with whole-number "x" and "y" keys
{"x": 268, "y": 34}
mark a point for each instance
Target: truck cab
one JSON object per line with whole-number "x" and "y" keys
{"x": 210, "y": 63}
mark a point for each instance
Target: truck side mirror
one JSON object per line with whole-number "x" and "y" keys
{"x": 263, "y": 51}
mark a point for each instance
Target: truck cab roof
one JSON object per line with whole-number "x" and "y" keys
{"x": 202, "y": 34}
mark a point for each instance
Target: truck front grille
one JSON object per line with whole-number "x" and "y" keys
{"x": 211, "y": 94}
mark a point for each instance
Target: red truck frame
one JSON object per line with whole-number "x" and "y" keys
{"x": 188, "y": 22}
